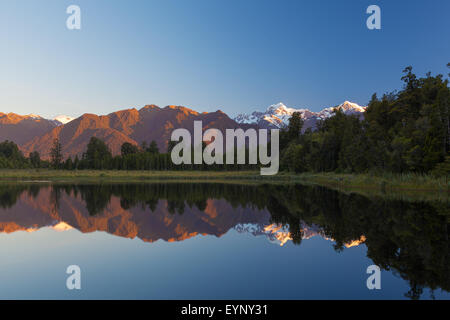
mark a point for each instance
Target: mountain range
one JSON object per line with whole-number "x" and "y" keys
{"x": 35, "y": 133}
{"x": 278, "y": 115}
{"x": 21, "y": 129}
{"x": 33, "y": 212}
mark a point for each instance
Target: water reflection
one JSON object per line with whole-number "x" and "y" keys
{"x": 409, "y": 238}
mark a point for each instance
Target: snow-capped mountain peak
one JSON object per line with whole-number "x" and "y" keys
{"x": 278, "y": 108}
{"x": 33, "y": 116}
{"x": 63, "y": 119}
{"x": 350, "y": 106}
{"x": 280, "y": 234}
{"x": 278, "y": 115}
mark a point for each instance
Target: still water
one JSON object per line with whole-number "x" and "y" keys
{"x": 218, "y": 241}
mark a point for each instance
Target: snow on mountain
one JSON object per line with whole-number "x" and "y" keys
{"x": 347, "y": 107}
{"x": 277, "y": 233}
{"x": 62, "y": 119}
{"x": 280, "y": 235}
{"x": 277, "y": 115}
{"x": 33, "y": 116}
{"x": 57, "y": 121}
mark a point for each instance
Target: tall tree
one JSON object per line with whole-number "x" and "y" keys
{"x": 144, "y": 146}
{"x": 35, "y": 159}
{"x": 128, "y": 148}
{"x": 295, "y": 126}
{"x": 56, "y": 154}
{"x": 97, "y": 155}
{"x": 153, "y": 148}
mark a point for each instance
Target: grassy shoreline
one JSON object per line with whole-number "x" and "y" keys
{"x": 384, "y": 181}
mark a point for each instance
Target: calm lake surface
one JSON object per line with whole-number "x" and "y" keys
{"x": 218, "y": 241}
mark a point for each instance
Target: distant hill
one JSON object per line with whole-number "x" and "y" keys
{"x": 22, "y": 129}
{"x": 35, "y": 133}
{"x": 131, "y": 125}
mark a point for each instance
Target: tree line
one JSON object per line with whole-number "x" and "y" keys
{"x": 98, "y": 156}
{"x": 404, "y": 131}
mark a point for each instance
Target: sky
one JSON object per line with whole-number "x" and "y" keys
{"x": 236, "y": 56}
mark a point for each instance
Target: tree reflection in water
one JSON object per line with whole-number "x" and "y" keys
{"x": 411, "y": 238}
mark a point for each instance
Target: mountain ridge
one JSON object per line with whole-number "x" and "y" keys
{"x": 277, "y": 116}
{"x": 151, "y": 122}
{"x": 128, "y": 125}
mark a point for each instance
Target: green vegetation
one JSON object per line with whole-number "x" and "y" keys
{"x": 410, "y": 185}
{"x": 402, "y": 142}
{"x": 404, "y": 132}
{"x": 55, "y": 154}
{"x": 10, "y": 156}
{"x": 51, "y": 174}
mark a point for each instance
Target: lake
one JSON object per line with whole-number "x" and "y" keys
{"x": 218, "y": 241}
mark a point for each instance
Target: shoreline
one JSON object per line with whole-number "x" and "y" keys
{"x": 382, "y": 182}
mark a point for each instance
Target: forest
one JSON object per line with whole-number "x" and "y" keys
{"x": 403, "y": 131}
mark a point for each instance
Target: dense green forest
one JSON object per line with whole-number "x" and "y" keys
{"x": 404, "y": 131}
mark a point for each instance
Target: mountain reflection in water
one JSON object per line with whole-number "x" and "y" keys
{"x": 409, "y": 238}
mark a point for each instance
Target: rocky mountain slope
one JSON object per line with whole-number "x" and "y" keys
{"x": 35, "y": 133}
{"x": 22, "y": 129}
{"x": 134, "y": 126}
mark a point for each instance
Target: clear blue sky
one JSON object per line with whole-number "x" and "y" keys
{"x": 233, "y": 55}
